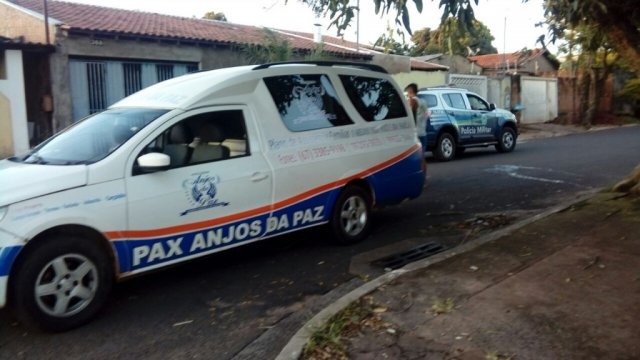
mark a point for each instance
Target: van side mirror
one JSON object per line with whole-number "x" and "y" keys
{"x": 492, "y": 106}
{"x": 153, "y": 162}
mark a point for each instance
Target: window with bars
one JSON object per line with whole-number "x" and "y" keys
{"x": 132, "y": 73}
{"x": 98, "y": 83}
{"x": 164, "y": 72}
{"x": 96, "y": 72}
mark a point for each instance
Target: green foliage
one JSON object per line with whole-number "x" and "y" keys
{"x": 618, "y": 19}
{"x": 212, "y": 15}
{"x": 318, "y": 54}
{"x": 631, "y": 90}
{"x": 452, "y": 38}
{"x": 342, "y": 12}
{"x": 389, "y": 43}
{"x": 273, "y": 49}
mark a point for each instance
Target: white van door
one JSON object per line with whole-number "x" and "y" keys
{"x": 217, "y": 192}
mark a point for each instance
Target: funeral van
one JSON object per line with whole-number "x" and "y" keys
{"x": 195, "y": 165}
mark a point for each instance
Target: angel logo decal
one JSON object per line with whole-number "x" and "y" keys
{"x": 201, "y": 191}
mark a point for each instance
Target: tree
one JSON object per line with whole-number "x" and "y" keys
{"x": 451, "y": 39}
{"x": 212, "y": 15}
{"x": 618, "y": 19}
{"x": 389, "y": 43}
{"x": 273, "y": 49}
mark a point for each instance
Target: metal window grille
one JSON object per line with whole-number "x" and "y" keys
{"x": 132, "y": 77}
{"x": 192, "y": 68}
{"x": 96, "y": 75}
{"x": 164, "y": 72}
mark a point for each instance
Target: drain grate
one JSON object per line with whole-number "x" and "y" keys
{"x": 396, "y": 261}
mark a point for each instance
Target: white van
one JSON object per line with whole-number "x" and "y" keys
{"x": 195, "y": 165}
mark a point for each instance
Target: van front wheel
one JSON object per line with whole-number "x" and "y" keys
{"x": 61, "y": 283}
{"x": 351, "y": 218}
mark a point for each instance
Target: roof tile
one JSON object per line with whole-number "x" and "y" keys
{"x": 81, "y": 17}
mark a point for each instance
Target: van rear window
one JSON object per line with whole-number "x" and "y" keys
{"x": 375, "y": 99}
{"x": 307, "y": 102}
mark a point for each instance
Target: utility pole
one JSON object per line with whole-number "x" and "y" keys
{"x": 358, "y": 28}
{"x": 46, "y": 22}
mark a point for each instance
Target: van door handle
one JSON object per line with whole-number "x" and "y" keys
{"x": 259, "y": 176}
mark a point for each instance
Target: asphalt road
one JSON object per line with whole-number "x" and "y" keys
{"x": 215, "y": 307}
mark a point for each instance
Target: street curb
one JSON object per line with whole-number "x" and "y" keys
{"x": 293, "y": 349}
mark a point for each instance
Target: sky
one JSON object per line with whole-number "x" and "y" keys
{"x": 511, "y": 22}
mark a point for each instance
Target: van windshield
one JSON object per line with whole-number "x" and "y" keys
{"x": 92, "y": 138}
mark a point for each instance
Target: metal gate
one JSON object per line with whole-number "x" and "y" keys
{"x": 475, "y": 83}
{"x": 540, "y": 99}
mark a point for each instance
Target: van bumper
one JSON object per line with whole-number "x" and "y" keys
{"x": 10, "y": 246}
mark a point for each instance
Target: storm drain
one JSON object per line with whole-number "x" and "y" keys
{"x": 396, "y": 261}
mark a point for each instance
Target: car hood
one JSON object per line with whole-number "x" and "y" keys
{"x": 19, "y": 181}
{"x": 506, "y": 113}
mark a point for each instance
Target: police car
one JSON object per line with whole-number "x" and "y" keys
{"x": 196, "y": 165}
{"x": 461, "y": 119}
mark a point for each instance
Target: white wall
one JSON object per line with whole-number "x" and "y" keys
{"x": 421, "y": 78}
{"x": 13, "y": 89}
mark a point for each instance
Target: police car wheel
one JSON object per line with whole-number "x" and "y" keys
{"x": 351, "y": 221}
{"x": 61, "y": 283}
{"x": 507, "y": 140}
{"x": 445, "y": 148}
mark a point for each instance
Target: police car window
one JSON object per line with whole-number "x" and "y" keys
{"x": 454, "y": 100}
{"x": 203, "y": 138}
{"x": 307, "y": 102}
{"x": 477, "y": 103}
{"x": 432, "y": 100}
{"x": 375, "y": 99}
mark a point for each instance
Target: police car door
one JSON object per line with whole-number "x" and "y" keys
{"x": 483, "y": 119}
{"x": 460, "y": 115}
{"x": 216, "y": 193}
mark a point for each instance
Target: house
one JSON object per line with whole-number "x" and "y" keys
{"x": 457, "y": 64}
{"x": 536, "y": 62}
{"x": 422, "y": 73}
{"x": 23, "y": 66}
{"x": 103, "y": 54}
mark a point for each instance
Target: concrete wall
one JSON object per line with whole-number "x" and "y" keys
{"x": 208, "y": 57}
{"x": 422, "y": 78}
{"x": 14, "y": 135}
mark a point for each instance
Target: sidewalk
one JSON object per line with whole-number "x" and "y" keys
{"x": 546, "y": 130}
{"x": 564, "y": 287}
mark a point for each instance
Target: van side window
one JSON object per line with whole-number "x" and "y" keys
{"x": 203, "y": 138}
{"x": 375, "y": 99}
{"x": 307, "y": 102}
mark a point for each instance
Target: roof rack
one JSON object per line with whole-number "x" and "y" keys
{"x": 365, "y": 66}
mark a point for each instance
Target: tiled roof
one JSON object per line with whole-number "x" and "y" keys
{"x": 426, "y": 66}
{"x": 20, "y": 44}
{"x": 498, "y": 61}
{"x": 90, "y": 18}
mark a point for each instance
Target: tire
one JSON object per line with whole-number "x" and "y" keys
{"x": 351, "y": 217}
{"x": 445, "y": 148}
{"x": 61, "y": 283}
{"x": 506, "y": 141}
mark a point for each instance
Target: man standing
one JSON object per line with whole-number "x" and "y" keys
{"x": 420, "y": 113}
